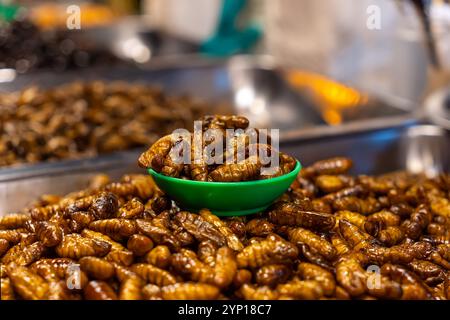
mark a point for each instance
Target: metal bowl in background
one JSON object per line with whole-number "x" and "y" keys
{"x": 437, "y": 107}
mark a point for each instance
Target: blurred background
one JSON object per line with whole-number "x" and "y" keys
{"x": 85, "y": 85}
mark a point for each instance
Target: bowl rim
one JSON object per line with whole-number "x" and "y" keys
{"x": 294, "y": 172}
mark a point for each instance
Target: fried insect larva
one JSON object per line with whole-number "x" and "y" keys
{"x": 340, "y": 245}
{"x": 6, "y": 289}
{"x": 354, "y": 236}
{"x": 159, "y": 234}
{"x": 170, "y": 165}
{"x": 188, "y": 265}
{"x": 272, "y": 274}
{"x": 80, "y": 220}
{"x": 118, "y": 253}
{"x": 390, "y": 236}
{"x": 190, "y": 291}
{"x": 199, "y": 227}
{"x": 426, "y": 269}
{"x": 291, "y": 214}
{"x": 206, "y": 252}
{"x": 301, "y": 289}
{"x": 24, "y": 255}
{"x": 242, "y": 276}
{"x": 153, "y": 274}
{"x": 232, "y": 240}
{"x": 332, "y": 183}
{"x": 114, "y": 227}
{"x": 99, "y": 290}
{"x": 160, "y": 147}
{"x": 412, "y": 287}
{"x": 131, "y": 289}
{"x": 10, "y": 236}
{"x": 245, "y": 170}
{"x": 312, "y": 240}
{"x": 151, "y": 292}
{"x": 225, "y": 267}
{"x": 350, "y": 274}
{"x": 224, "y": 122}
{"x": 13, "y": 221}
{"x": 104, "y": 205}
{"x": 139, "y": 244}
{"x": 419, "y": 220}
{"x": 75, "y": 246}
{"x": 45, "y": 213}
{"x": 332, "y": 166}
{"x": 402, "y": 253}
{"x": 364, "y": 206}
{"x": 251, "y": 292}
{"x": 259, "y": 227}
{"x": 353, "y": 217}
{"x": 269, "y": 250}
{"x": 159, "y": 256}
{"x": 386, "y": 217}
{"x": 50, "y": 234}
{"x": 354, "y": 191}
{"x": 26, "y": 283}
{"x": 97, "y": 268}
{"x": 131, "y": 209}
{"x": 309, "y": 271}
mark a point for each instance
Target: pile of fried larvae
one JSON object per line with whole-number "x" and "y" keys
{"x": 224, "y": 163}
{"x": 322, "y": 239}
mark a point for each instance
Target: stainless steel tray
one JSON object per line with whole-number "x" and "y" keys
{"x": 253, "y": 86}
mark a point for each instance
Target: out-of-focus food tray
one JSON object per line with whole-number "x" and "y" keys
{"x": 252, "y": 86}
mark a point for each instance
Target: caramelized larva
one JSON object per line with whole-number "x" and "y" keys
{"x": 285, "y": 213}
{"x": 312, "y": 240}
{"x": 259, "y": 227}
{"x": 131, "y": 289}
{"x": 50, "y": 234}
{"x": 13, "y": 221}
{"x": 139, "y": 244}
{"x": 332, "y": 166}
{"x": 225, "y": 267}
{"x": 270, "y": 250}
{"x": 273, "y": 274}
{"x": 99, "y": 290}
{"x": 24, "y": 255}
{"x": 97, "y": 268}
{"x": 188, "y": 265}
{"x": 114, "y": 227}
{"x": 75, "y": 246}
{"x": 10, "y": 236}
{"x": 153, "y": 274}
{"x": 131, "y": 209}
{"x": 104, "y": 205}
{"x": 159, "y": 256}
{"x": 245, "y": 170}
{"x": 325, "y": 278}
{"x": 231, "y": 238}
{"x": 26, "y": 283}
{"x": 301, "y": 289}
{"x": 350, "y": 274}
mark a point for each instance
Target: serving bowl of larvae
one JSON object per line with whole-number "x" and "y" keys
{"x": 224, "y": 165}
{"x": 329, "y": 236}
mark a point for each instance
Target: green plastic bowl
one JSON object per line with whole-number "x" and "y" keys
{"x": 225, "y": 198}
